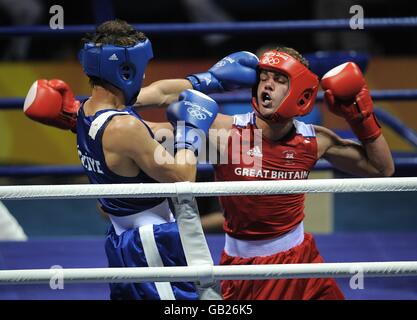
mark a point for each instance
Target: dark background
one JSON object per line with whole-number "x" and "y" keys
{"x": 193, "y": 47}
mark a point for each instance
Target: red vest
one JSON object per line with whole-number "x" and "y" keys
{"x": 291, "y": 158}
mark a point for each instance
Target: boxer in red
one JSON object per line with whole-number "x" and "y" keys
{"x": 269, "y": 229}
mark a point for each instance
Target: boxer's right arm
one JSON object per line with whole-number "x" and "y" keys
{"x": 127, "y": 140}
{"x": 191, "y": 117}
{"x": 164, "y": 92}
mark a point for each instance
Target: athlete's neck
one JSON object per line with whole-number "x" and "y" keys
{"x": 102, "y": 99}
{"x": 274, "y": 130}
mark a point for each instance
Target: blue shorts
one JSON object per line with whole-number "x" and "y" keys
{"x": 126, "y": 250}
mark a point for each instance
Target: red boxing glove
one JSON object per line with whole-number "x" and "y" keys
{"x": 347, "y": 96}
{"x": 52, "y": 103}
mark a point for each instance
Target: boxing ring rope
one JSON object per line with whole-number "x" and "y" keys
{"x": 165, "y": 29}
{"x": 204, "y": 273}
{"x": 377, "y": 95}
{"x": 400, "y": 162}
{"x": 179, "y": 274}
{"x": 245, "y": 96}
{"x": 207, "y": 189}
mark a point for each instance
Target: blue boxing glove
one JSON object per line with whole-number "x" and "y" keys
{"x": 191, "y": 118}
{"x": 235, "y": 71}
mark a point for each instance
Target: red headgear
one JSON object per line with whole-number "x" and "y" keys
{"x": 303, "y": 85}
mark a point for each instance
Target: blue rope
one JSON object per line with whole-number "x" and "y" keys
{"x": 377, "y": 95}
{"x": 399, "y": 127}
{"x": 28, "y": 171}
{"x": 245, "y": 97}
{"x": 401, "y": 162}
{"x": 220, "y": 27}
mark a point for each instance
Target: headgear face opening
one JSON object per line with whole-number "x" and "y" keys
{"x": 122, "y": 67}
{"x": 303, "y": 86}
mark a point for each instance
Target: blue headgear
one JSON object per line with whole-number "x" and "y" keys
{"x": 122, "y": 67}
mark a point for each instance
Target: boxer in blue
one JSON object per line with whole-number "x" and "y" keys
{"x": 116, "y": 145}
{"x": 113, "y": 135}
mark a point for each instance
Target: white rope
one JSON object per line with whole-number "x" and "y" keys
{"x": 179, "y": 274}
{"x": 205, "y": 189}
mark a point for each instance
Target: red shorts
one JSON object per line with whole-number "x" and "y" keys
{"x": 282, "y": 289}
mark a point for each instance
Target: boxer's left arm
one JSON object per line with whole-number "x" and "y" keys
{"x": 347, "y": 96}
{"x": 235, "y": 71}
{"x": 52, "y": 102}
{"x": 369, "y": 159}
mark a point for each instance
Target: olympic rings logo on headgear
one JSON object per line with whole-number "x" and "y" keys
{"x": 276, "y": 54}
{"x": 270, "y": 60}
{"x": 196, "y": 113}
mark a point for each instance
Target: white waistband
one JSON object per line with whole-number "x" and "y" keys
{"x": 262, "y": 248}
{"x": 159, "y": 214}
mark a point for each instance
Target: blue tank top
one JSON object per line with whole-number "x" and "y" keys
{"x": 90, "y": 151}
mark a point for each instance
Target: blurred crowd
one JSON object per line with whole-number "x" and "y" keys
{"x": 33, "y": 12}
